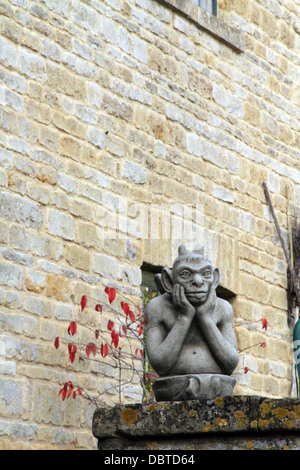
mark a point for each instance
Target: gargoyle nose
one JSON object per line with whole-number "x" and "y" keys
{"x": 197, "y": 280}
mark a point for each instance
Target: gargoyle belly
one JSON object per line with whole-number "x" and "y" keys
{"x": 196, "y": 359}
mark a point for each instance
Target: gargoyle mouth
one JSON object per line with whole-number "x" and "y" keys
{"x": 196, "y": 292}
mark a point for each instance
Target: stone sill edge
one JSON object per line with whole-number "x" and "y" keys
{"x": 233, "y": 37}
{"x": 261, "y": 411}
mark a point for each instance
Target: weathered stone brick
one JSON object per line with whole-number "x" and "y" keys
{"x": 134, "y": 172}
{"x": 18, "y": 238}
{"x": 105, "y": 265}
{"x": 27, "y": 130}
{"x": 11, "y": 275}
{"x": 130, "y": 275}
{"x": 51, "y": 50}
{"x": 4, "y": 233}
{"x": 10, "y": 397}
{"x": 58, "y": 287}
{"x": 58, "y": 6}
{"x": 212, "y": 153}
{"x": 108, "y": 30}
{"x": 46, "y": 407}
{"x": 96, "y": 137}
{"x": 224, "y": 194}
{"x": 12, "y": 300}
{"x": 64, "y": 312}
{"x": 70, "y": 147}
{"x": 60, "y": 224}
{"x": 14, "y": 100}
{"x": 117, "y": 107}
{"x": 38, "y": 306}
{"x": 67, "y": 183}
{"x": 69, "y": 125}
{"x": 78, "y": 257}
{"x": 32, "y": 65}
{"x": 65, "y": 81}
{"x": 193, "y": 144}
{"x": 35, "y": 281}
{"x": 8, "y": 53}
{"x": 20, "y": 324}
{"x": 85, "y": 17}
{"x": 18, "y": 145}
{"x": 6, "y": 159}
{"x": 23, "y": 431}
{"x": 87, "y": 234}
{"x": 139, "y": 48}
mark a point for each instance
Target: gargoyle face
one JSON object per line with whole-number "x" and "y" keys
{"x": 197, "y": 278}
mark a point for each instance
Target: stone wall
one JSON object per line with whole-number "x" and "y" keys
{"x": 105, "y": 102}
{"x": 231, "y": 423}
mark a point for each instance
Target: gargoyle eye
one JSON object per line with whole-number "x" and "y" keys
{"x": 185, "y": 273}
{"x": 206, "y": 273}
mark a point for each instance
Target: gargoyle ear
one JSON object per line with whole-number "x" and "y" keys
{"x": 167, "y": 280}
{"x": 158, "y": 283}
{"x": 216, "y": 277}
{"x": 182, "y": 250}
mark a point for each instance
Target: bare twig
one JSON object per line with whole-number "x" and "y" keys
{"x": 285, "y": 250}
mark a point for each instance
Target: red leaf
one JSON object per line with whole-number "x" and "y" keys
{"x": 264, "y": 323}
{"x": 70, "y": 389}
{"x": 125, "y": 308}
{"x": 97, "y": 334}
{"x": 114, "y": 338}
{"x": 98, "y": 308}
{"x": 72, "y": 328}
{"x": 79, "y": 391}
{"x": 110, "y": 325}
{"x": 124, "y": 329}
{"x": 140, "y": 330}
{"x": 131, "y": 315}
{"x": 72, "y": 352}
{"x": 262, "y": 345}
{"x": 74, "y": 394}
{"x": 149, "y": 376}
{"x": 83, "y": 302}
{"x": 111, "y": 292}
{"x": 246, "y": 370}
{"x": 91, "y": 348}
{"x": 64, "y": 393}
{"x": 139, "y": 352}
{"x": 104, "y": 349}
{"x": 56, "y": 343}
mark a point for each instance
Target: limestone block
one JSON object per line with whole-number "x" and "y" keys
{"x": 35, "y": 281}
{"x": 60, "y": 224}
{"x": 11, "y": 275}
{"x": 105, "y": 265}
{"x": 108, "y": 30}
{"x": 134, "y": 172}
{"x": 57, "y": 287}
{"x": 78, "y": 257}
{"x": 84, "y": 16}
{"x": 33, "y": 66}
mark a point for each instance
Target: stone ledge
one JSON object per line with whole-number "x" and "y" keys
{"x": 235, "y": 416}
{"x": 231, "y": 36}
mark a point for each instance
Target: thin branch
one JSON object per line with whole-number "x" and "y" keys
{"x": 285, "y": 250}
